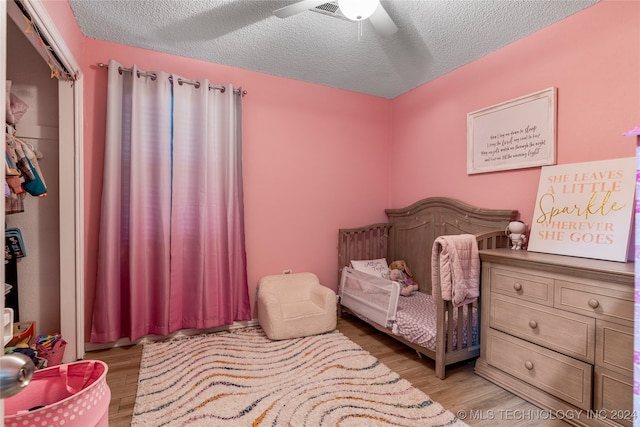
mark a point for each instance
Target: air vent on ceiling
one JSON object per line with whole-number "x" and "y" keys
{"x": 330, "y": 9}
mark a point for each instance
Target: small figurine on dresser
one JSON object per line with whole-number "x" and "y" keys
{"x": 516, "y": 231}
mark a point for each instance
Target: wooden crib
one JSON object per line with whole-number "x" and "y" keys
{"x": 409, "y": 235}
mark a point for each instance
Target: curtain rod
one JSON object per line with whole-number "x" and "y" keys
{"x": 180, "y": 80}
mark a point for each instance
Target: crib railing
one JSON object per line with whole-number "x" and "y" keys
{"x": 368, "y": 242}
{"x": 492, "y": 240}
{"x": 372, "y": 242}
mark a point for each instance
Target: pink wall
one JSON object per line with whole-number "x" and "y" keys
{"x": 317, "y": 159}
{"x": 592, "y": 57}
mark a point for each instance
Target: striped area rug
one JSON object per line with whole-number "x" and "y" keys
{"x": 241, "y": 378}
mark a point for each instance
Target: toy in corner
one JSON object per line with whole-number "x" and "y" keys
{"x": 399, "y": 272}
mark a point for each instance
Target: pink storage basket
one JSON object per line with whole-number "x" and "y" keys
{"x": 74, "y": 394}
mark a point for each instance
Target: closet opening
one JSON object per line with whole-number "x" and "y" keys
{"x": 47, "y": 282}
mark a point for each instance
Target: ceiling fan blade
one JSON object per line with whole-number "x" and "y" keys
{"x": 298, "y": 7}
{"x": 382, "y": 22}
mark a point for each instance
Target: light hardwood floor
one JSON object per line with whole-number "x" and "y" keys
{"x": 462, "y": 392}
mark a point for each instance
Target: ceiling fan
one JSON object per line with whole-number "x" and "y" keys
{"x": 355, "y": 10}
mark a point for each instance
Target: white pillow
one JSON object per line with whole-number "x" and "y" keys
{"x": 376, "y": 267}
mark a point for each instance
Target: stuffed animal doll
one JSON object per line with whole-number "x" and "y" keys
{"x": 399, "y": 272}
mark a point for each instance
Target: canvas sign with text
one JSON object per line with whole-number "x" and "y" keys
{"x": 585, "y": 209}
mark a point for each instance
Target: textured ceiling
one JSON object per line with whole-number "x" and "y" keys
{"x": 434, "y": 37}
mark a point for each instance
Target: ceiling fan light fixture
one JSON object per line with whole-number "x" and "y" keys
{"x": 357, "y": 10}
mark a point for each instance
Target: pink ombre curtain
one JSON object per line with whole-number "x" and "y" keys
{"x": 171, "y": 252}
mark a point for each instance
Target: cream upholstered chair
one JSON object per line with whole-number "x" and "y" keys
{"x": 295, "y": 305}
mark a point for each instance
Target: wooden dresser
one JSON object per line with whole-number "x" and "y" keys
{"x": 558, "y": 332}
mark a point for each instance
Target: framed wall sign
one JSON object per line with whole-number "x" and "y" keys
{"x": 516, "y": 134}
{"x": 585, "y": 209}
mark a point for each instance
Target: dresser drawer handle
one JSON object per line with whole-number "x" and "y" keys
{"x": 593, "y": 303}
{"x": 533, "y": 324}
{"x": 517, "y": 286}
{"x": 528, "y": 364}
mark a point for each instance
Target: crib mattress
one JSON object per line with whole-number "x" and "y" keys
{"x": 416, "y": 321}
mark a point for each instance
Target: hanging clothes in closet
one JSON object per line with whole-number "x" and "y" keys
{"x": 22, "y": 176}
{"x": 25, "y": 157}
{"x": 22, "y": 171}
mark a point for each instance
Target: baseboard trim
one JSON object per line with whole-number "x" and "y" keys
{"x": 124, "y": 342}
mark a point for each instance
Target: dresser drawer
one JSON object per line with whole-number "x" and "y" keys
{"x": 569, "y": 333}
{"x": 614, "y": 393}
{"x": 561, "y": 376}
{"x": 603, "y": 303}
{"x": 614, "y": 347}
{"x": 522, "y": 284}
